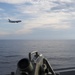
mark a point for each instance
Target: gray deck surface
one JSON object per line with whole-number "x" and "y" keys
{"x": 68, "y": 73}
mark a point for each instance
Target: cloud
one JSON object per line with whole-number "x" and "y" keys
{"x": 13, "y": 1}
{"x": 53, "y": 21}
{"x": 34, "y": 7}
{"x": 64, "y": 5}
{"x": 18, "y": 1}
{"x": 2, "y": 33}
{"x": 67, "y": 0}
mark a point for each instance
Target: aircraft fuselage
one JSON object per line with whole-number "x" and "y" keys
{"x": 14, "y": 21}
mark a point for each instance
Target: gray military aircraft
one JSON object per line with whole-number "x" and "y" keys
{"x": 17, "y": 21}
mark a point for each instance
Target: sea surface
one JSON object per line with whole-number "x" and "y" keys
{"x": 60, "y": 53}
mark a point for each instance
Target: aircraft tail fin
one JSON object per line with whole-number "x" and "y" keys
{"x": 9, "y": 20}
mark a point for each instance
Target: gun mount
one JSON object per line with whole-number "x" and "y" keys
{"x": 36, "y": 64}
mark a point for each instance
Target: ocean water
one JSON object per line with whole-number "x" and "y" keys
{"x": 60, "y": 53}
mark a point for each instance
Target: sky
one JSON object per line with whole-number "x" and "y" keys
{"x": 41, "y": 19}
